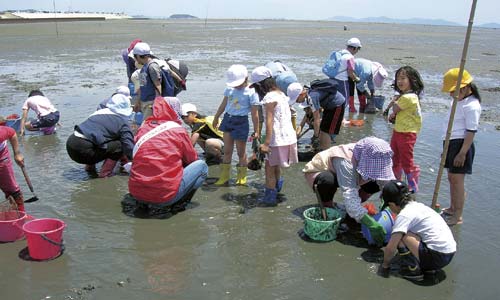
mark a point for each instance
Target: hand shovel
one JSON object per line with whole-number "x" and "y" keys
{"x": 28, "y": 181}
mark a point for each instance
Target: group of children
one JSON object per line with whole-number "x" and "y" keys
{"x": 248, "y": 93}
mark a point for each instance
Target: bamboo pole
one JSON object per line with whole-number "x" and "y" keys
{"x": 454, "y": 104}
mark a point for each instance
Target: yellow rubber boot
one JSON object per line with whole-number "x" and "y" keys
{"x": 242, "y": 176}
{"x": 224, "y": 174}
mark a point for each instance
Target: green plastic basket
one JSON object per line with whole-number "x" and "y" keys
{"x": 319, "y": 230}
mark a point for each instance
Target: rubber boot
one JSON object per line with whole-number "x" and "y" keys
{"x": 107, "y": 168}
{"x": 241, "y": 178}
{"x": 362, "y": 103}
{"x": 412, "y": 178}
{"x": 269, "y": 199}
{"x": 279, "y": 184}
{"x": 224, "y": 175}
{"x": 351, "y": 104}
{"x": 18, "y": 197}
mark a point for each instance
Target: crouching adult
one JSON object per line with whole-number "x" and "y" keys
{"x": 421, "y": 236}
{"x": 360, "y": 170}
{"x": 165, "y": 171}
{"x": 104, "y": 136}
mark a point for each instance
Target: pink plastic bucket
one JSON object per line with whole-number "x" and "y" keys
{"x": 11, "y": 225}
{"x": 44, "y": 237}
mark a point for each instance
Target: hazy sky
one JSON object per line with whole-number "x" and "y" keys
{"x": 451, "y": 10}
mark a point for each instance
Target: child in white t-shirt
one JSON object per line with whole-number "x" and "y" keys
{"x": 420, "y": 235}
{"x": 280, "y": 145}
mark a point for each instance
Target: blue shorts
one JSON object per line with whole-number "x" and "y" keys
{"x": 236, "y": 126}
{"x": 432, "y": 260}
{"x": 46, "y": 121}
{"x": 453, "y": 149}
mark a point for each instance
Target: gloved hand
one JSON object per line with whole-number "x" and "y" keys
{"x": 377, "y": 231}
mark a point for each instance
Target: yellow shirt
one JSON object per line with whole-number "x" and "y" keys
{"x": 409, "y": 119}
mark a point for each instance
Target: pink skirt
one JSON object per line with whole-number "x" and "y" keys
{"x": 283, "y": 156}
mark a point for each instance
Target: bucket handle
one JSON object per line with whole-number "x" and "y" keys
{"x": 61, "y": 244}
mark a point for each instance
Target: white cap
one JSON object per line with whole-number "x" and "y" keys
{"x": 188, "y": 107}
{"x": 293, "y": 91}
{"x": 354, "y": 42}
{"x": 379, "y": 74}
{"x": 236, "y": 75}
{"x": 142, "y": 49}
{"x": 259, "y": 74}
{"x": 124, "y": 90}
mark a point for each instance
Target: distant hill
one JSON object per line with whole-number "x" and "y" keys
{"x": 490, "y": 25}
{"x": 182, "y": 16}
{"x": 399, "y": 21}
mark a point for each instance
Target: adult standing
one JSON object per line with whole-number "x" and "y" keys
{"x": 371, "y": 74}
{"x": 47, "y": 114}
{"x": 340, "y": 66}
{"x": 165, "y": 170}
{"x": 104, "y": 136}
{"x": 359, "y": 169}
{"x": 149, "y": 78}
{"x": 461, "y": 148}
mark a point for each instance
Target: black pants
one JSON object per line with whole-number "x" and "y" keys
{"x": 84, "y": 151}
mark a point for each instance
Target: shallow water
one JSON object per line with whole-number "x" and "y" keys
{"x": 223, "y": 247}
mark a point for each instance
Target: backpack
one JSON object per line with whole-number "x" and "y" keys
{"x": 167, "y": 82}
{"x": 332, "y": 65}
{"x": 326, "y": 91}
{"x": 181, "y": 71}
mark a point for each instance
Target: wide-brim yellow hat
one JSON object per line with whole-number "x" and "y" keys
{"x": 450, "y": 80}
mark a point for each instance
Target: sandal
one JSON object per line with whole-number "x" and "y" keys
{"x": 447, "y": 212}
{"x": 452, "y": 222}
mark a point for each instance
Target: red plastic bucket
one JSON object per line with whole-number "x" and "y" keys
{"x": 44, "y": 237}
{"x": 11, "y": 225}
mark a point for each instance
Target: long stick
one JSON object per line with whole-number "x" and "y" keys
{"x": 454, "y": 105}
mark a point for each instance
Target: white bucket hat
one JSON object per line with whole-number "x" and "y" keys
{"x": 236, "y": 75}
{"x": 379, "y": 74}
{"x": 188, "y": 107}
{"x": 259, "y": 74}
{"x": 293, "y": 91}
{"x": 120, "y": 104}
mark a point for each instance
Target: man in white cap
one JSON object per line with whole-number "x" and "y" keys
{"x": 370, "y": 73}
{"x": 149, "y": 78}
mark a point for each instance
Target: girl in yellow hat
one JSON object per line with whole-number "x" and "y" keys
{"x": 461, "y": 147}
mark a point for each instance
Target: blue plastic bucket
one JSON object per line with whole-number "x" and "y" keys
{"x": 385, "y": 219}
{"x": 14, "y": 123}
{"x": 378, "y": 101}
{"x": 138, "y": 118}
